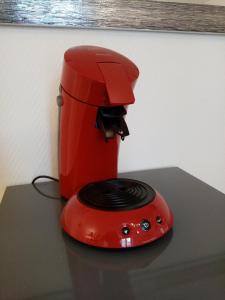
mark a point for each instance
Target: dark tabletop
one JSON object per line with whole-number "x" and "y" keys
{"x": 39, "y": 261}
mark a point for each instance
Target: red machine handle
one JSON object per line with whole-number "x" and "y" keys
{"x": 118, "y": 87}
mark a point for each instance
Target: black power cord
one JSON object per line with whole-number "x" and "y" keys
{"x": 39, "y": 191}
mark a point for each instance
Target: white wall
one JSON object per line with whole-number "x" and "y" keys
{"x": 178, "y": 118}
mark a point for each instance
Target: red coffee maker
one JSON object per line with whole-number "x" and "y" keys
{"x": 103, "y": 210}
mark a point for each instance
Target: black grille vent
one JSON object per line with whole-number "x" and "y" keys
{"x": 116, "y": 194}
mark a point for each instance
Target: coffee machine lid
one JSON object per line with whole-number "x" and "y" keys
{"x": 99, "y": 76}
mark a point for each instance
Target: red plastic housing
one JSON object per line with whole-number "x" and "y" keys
{"x": 95, "y": 79}
{"x": 92, "y": 77}
{"x": 98, "y": 76}
{"x": 84, "y": 154}
{"x": 104, "y": 228}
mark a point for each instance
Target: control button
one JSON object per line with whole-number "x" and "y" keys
{"x": 159, "y": 220}
{"x": 125, "y": 230}
{"x": 145, "y": 225}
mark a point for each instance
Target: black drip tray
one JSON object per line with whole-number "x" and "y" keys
{"x": 116, "y": 194}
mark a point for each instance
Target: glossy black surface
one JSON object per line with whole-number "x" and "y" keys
{"x": 38, "y": 261}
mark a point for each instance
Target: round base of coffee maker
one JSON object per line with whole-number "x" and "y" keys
{"x": 117, "y": 213}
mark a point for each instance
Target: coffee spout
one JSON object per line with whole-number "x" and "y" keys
{"x": 110, "y": 120}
